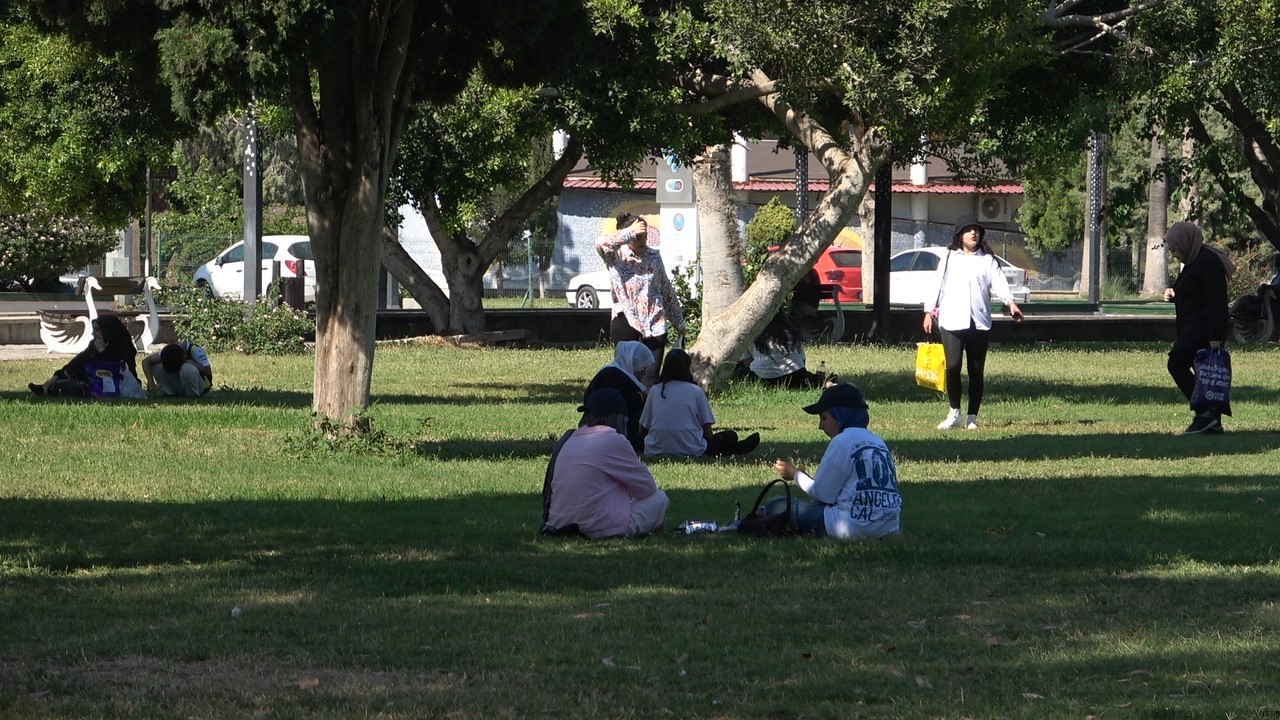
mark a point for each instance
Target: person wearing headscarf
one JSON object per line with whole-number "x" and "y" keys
{"x": 855, "y": 491}
{"x": 776, "y": 357}
{"x": 968, "y": 276}
{"x": 644, "y": 300}
{"x": 1199, "y": 298}
{"x": 630, "y": 360}
{"x": 111, "y": 342}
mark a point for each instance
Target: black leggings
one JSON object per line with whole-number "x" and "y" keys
{"x": 1182, "y": 357}
{"x": 725, "y": 442}
{"x": 972, "y": 343}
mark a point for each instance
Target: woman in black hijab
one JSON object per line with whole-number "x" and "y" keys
{"x": 111, "y": 342}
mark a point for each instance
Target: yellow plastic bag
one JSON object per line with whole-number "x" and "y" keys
{"x": 931, "y": 366}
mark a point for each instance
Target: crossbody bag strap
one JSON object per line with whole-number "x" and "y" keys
{"x": 945, "y": 264}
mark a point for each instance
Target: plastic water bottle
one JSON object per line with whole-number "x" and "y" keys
{"x": 737, "y": 518}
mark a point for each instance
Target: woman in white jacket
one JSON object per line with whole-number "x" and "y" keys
{"x": 969, "y": 274}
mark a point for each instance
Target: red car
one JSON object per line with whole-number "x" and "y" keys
{"x": 841, "y": 266}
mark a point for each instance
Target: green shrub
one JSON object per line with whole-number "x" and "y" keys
{"x": 1253, "y": 268}
{"x": 37, "y": 247}
{"x": 272, "y": 328}
{"x": 690, "y": 295}
{"x": 772, "y": 224}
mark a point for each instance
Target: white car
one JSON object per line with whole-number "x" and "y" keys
{"x": 913, "y": 275}
{"x": 223, "y": 276}
{"x": 590, "y": 290}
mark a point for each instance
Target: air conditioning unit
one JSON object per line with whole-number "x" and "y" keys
{"x": 994, "y": 208}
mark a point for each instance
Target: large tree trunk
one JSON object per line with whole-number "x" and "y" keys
{"x": 1155, "y": 277}
{"x": 347, "y": 146}
{"x": 464, "y": 270}
{"x": 721, "y": 251}
{"x": 724, "y": 336}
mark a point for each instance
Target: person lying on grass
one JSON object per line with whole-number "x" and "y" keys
{"x": 597, "y": 487}
{"x": 855, "y": 490}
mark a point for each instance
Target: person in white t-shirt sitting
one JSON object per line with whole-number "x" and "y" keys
{"x": 677, "y": 418}
{"x": 180, "y": 369}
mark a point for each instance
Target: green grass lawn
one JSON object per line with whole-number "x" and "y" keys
{"x": 1074, "y": 558}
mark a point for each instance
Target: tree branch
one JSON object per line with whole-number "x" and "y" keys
{"x": 431, "y": 214}
{"x": 503, "y": 229}
{"x": 421, "y": 287}
{"x": 724, "y": 91}
{"x": 830, "y": 153}
{"x": 1111, "y": 24}
{"x": 1262, "y": 220}
{"x": 1056, "y": 15}
{"x": 1260, "y": 152}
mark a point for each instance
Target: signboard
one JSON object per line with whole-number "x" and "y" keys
{"x": 675, "y": 182}
{"x": 679, "y": 229}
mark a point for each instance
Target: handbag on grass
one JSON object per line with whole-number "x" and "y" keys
{"x": 776, "y": 525}
{"x": 105, "y": 377}
{"x": 931, "y": 366}
{"x": 1213, "y": 381}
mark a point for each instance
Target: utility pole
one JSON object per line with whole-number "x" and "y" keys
{"x": 802, "y": 183}
{"x": 252, "y": 209}
{"x": 1096, "y": 229}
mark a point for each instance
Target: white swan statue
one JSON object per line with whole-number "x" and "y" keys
{"x": 151, "y": 326}
{"x": 75, "y": 336}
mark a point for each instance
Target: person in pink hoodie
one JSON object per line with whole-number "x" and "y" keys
{"x": 596, "y": 481}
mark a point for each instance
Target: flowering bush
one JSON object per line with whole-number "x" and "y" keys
{"x": 35, "y": 248}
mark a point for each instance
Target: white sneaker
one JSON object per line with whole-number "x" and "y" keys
{"x": 971, "y": 423}
{"x": 953, "y": 420}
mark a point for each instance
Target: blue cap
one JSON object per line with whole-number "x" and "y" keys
{"x": 842, "y": 395}
{"x": 605, "y": 401}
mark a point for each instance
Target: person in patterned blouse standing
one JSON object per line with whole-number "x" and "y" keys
{"x": 644, "y": 300}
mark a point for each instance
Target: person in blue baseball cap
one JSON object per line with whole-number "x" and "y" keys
{"x": 855, "y": 491}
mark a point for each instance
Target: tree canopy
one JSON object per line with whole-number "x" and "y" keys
{"x": 351, "y": 74}
{"x": 861, "y": 84}
{"x": 1207, "y": 71}
{"x": 77, "y": 128}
